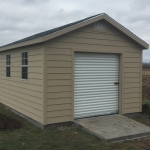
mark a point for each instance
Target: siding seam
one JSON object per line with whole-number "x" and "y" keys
{"x": 44, "y": 85}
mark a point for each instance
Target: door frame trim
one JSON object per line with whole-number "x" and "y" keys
{"x": 121, "y": 74}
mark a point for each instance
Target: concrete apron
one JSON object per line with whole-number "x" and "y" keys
{"x": 114, "y": 128}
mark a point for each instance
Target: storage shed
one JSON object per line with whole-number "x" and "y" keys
{"x": 87, "y": 68}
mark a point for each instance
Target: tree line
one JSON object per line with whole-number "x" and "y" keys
{"x": 146, "y": 65}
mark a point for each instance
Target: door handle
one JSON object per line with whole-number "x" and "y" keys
{"x": 116, "y": 83}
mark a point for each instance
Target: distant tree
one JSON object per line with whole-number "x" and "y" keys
{"x": 146, "y": 65}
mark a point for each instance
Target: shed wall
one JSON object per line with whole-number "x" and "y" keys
{"x": 60, "y": 65}
{"x": 25, "y": 96}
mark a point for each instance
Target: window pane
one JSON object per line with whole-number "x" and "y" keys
{"x": 24, "y": 72}
{"x": 8, "y": 59}
{"x": 24, "y": 58}
{"x": 8, "y": 74}
{"x": 7, "y": 71}
{"x": 24, "y": 69}
{"x": 9, "y": 62}
{"x": 24, "y": 75}
{"x": 26, "y": 54}
{"x": 26, "y": 61}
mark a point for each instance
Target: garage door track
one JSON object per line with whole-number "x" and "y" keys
{"x": 114, "y": 128}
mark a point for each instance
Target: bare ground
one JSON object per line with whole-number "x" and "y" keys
{"x": 146, "y": 87}
{"x": 7, "y": 123}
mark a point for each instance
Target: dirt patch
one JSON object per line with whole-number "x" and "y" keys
{"x": 144, "y": 144}
{"x": 146, "y": 72}
{"x": 146, "y": 87}
{"x": 7, "y": 123}
{"x": 146, "y": 109}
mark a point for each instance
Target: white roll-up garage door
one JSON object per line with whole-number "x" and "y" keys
{"x": 96, "y": 89}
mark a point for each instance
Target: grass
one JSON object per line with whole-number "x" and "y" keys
{"x": 142, "y": 119}
{"x": 30, "y": 137}
{"x": 146, "y": 102}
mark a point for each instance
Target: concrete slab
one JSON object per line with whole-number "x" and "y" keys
{"x": 114, "y": 128}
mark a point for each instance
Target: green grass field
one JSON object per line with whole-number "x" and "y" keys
{"x": 30, "y": 137}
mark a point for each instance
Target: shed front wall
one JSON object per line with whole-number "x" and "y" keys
{"x": 60, "y": 69}
{"x": 24, "y": 96}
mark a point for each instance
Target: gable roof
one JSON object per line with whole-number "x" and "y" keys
{"x": 47, "y": 35}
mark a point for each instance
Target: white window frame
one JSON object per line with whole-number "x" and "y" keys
{"x": 8, "y": 65}
{"x": 24, "y": 65}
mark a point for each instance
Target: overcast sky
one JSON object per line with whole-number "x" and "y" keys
{"x": 22, "y": 18}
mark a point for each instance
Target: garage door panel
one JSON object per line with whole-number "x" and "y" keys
{"x": 96, "y": 102}
{"x": 101, "y": 74}
{"x": 98, "y": 95}
{"x": 83, "y": 84}
{"x": 94, "y": 112}
{"x": 92, "y": 68}
{"x": 92, "y": 98}
{"x": 88, "y": 56}
{"x": 89, "y": 78}
{"x": 95, "y": 66}
{"x": 94, "y": 90}
{"x": 90, "y": 108}
{"x": 82, "y": 61}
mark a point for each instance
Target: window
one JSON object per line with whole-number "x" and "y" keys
{"x": 99, "y": 25}
{"x": 24, "y": 65}
{"x": 8, "y": 65}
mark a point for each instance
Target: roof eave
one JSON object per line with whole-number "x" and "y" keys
{"x": 34, "y": 41}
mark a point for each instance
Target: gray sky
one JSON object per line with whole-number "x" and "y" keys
{"x": 22, "y": 18}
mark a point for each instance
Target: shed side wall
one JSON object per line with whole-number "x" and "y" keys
{"x": 25, "y": 96}
{"x": 60, "y": 66}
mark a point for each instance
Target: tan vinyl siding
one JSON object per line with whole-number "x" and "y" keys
{"x": 59, "y": 86}
{"x": 132, "y": 87}
{"x": 60, "y": 68}
{"x": 25, "y": 96}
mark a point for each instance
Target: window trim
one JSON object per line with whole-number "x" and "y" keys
{"x": 24, "y": 65}
{"x": 8, "y": 65}
{"x": 100, "y": 30}
{"x": 99, "y": 25}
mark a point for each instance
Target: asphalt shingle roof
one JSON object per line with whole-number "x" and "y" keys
{"x": 42, "y": 34}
